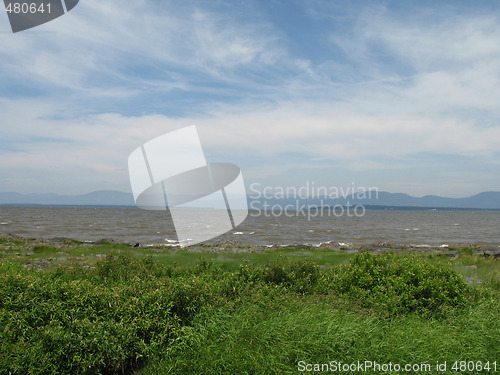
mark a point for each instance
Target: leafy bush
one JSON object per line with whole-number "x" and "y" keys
{"x": 86, "y": 322}
{"x": 402, "y": 284}
{"x": 188, "y": 297}
{"x": 119, "y": 268}
{"x": 300, "y": 277}
{"x": 126, "y": 311}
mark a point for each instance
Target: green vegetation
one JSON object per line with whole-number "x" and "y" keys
{"x": 403, "y": 284}
{"x": 161, "y": 311}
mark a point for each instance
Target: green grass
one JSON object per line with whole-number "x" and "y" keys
{"x": 252, "y": 340}
{"x": 164, "y": 311}
{"x": 230, "y": 261}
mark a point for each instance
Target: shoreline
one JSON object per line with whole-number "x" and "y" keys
{"x": 452, "y": 250}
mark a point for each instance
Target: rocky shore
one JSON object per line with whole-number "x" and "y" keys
{"x": 8, "y": 241}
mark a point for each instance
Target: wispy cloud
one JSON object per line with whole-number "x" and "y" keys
{"x": 377, "y": 90}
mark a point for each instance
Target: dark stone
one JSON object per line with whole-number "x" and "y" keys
{"x": 495, "y": 253}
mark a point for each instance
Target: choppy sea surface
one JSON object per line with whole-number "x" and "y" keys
{"x": 132, "y": 225}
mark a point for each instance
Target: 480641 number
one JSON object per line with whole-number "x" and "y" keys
{"x": 474, "y": 366}
{"x": 27, "y": 8}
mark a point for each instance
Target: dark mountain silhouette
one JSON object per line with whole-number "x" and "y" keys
{"x": 485, "y": 200}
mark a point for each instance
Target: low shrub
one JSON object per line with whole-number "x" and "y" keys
{"x": 397, "y": 285}
{"x": 77, "y": 321}
{"x": 113, "y": 318}
{"x": 299, "y": 276}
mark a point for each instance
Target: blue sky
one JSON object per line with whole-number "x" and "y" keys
{"x": 403, "y": 96}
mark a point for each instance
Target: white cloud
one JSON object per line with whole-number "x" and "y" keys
{"x": 99, "y": 40}
{"x": 442, "y": 65}
{"x": 99, "y": 145}
{"x": 405, "y": 88}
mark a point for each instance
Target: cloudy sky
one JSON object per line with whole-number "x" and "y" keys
{"x": 404, "y": 96}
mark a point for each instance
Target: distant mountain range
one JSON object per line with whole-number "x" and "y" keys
{"x": 487, "y": 200}
{"x": 96, "y": 198}
{"x": 484, "y": 200}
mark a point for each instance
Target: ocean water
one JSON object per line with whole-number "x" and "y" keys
{"x": 132, "y": 225}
